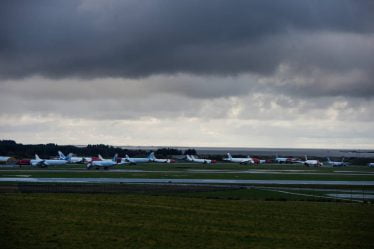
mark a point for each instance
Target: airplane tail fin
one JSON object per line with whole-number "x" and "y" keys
{"x": 306, "y": 158}
{"x": 69, "y": 156}
{"x": 193, "y": 157}
{"x": 152, "y": 156}
{"x": 115, "y": 157}
{"x": 101, "y": 158}
{"x": 61, "y": 155}
{"x": 127, "y": 156}
{"x": 328, "y": 159}
{"x": 229, "y": 156}
{"x": 37, "y": 157}
{"x": 189, "y": 158}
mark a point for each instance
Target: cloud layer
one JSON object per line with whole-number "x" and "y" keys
{"x": 207, "y": 71}
{"x": 139, "y": 38}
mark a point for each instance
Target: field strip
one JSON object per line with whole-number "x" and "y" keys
{"x": 308, "y": 195}
{"x": 186, "y": 181}
{"x": 322, "y": 190}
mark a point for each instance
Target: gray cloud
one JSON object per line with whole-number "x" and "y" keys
{"x": 139, "y": 38}
{"x": 215, "y": 72}
{"x": 194, "y": 97}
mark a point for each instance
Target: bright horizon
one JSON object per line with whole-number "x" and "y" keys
{"x": 195, "y": 147}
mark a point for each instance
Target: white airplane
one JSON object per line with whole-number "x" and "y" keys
{"x": 74, "y": 159}
{"x": 284, "y": 159}
{"x": 312, "y": 163}
{"x": 241, "y": 160}
{"x": 371, "y": 165}
{"x": 102, "y": 163}
{"x": 158, "y": 160}
{"x": 336, "y": 163}
{"x": 192, "y": 158}
{"x": 259, "y": 161}
{"x": 46, "y": 162}
{"x": 135, "y": 160}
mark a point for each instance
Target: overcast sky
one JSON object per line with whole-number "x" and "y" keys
{"x": 259, "y": 73}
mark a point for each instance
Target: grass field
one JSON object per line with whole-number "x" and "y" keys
{"x": 143, "y": 221}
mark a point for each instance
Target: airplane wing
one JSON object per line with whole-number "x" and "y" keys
{"x": 41, "y": 163}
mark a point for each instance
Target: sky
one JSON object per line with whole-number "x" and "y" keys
{"x": 217, "y": 73}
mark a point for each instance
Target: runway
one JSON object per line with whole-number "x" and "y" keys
{"x": 184, "y": 181}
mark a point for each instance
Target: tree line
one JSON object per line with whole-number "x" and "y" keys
{"x": 18, "y": 150}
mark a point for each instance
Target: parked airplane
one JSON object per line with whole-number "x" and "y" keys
{"x": 336, "y": 163}
{"x": 46, "y": 162}
{"x": 102, "y": 163}
{"x": 135, "y": 160}
{"x": 192, "y": 158}
{"x": 371, "y": 165}
{"x": 159, "y": 160}
{"x": 312, "y": 163}
{"x": 241, "y": 160}
{"x": 74, "y": 159}
{"x": 284, "y": 159}
{"x": 260, "y": 161}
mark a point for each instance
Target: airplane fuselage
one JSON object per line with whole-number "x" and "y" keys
{"x": 137, "y": 160}
{"x": 207, "y": 161}
{"x": 314, "y": 163}
{"x": 162, "y": 160}
{"x": 336, "y": 164}
{"x": 240, "y": 160}
{"x": 79, "y": 159}
{"x": 47, "y": 162}
{"x": 101, "y": 164}
{"x": 198, "y": 160}
{"x": 284, "y": 160}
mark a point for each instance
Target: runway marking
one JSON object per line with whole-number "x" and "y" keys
{"x": 310, "y": 195}
{"x": 353, "y": 196}
{"x": 18, "y": 175}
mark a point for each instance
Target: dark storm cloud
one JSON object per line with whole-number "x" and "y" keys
{"x": 138, "y": 38}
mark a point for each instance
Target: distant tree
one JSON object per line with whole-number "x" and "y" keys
{"x": 11, "y": 148}
{"x": 190, "y": 152}
{"x": 167, "y": 152}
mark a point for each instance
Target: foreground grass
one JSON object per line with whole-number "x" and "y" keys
{"x": 141, "y": 221}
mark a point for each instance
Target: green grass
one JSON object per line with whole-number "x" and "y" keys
{"x": 249, "y": 194}
{"x": 257, "y": 194}
{"x": 141, "y": 221}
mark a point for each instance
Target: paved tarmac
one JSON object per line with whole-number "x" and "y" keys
{"x": 184, "y": 181}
